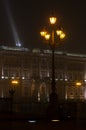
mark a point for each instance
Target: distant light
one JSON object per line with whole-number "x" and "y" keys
{"x": 2, "y": 77}
{"x": 61, "y": 79}
{"x": 78, "y": 84}
{"x": 18, "y": 44}
{"x": 66, "y": 79}
{"x": 14, "y": 82}
{"x": 47, "y": 74}
{"x": 13, "y": 77}
{"x": 55, "y": 120}
{"x": 32, "y": 121}
{"x": 38, "y": 96}
{"x": 12, "y": 24}
{"x": 6, "y": 77}
{"x": 23, "y": 77}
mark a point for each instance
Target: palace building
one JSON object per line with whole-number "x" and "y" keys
{"x": 33, "y": 71}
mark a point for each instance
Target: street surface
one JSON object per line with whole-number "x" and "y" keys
{"x": 13, "y": 122}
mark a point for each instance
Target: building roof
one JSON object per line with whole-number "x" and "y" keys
{"x": 13, "y": 48}
{"x": 37, "y": 50}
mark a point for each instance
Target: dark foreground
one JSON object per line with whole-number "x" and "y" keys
{"x": 71, "y": 115}
{"x": 15, "y": 121}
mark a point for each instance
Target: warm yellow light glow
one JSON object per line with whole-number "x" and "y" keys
{"x": 78, "y": 84}
{"x": 62, "y": 35}
{"x": 59, "y": 32}
{"x": 43, "y": 33}
{"x": 51, "y": 36}
{"x": 47, "y": 36}
{"x": 52, "y": 20}
{"x": 54, "y": 120}
{"x": 14, "y": 82}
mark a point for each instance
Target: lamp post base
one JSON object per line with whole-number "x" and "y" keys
{"x": 53, "y": 98}
{"x": 52, "y": 110}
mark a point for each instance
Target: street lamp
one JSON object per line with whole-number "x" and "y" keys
{"x": 51, "y": 37}
{"x": 14, "y": 84}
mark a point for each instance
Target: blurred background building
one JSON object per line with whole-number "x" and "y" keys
{"x": 32, "y": 70}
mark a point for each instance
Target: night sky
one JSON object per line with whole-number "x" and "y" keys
{"x": 30, "y": 17}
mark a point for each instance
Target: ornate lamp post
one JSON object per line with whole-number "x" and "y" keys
{"x": 51, "y": 37}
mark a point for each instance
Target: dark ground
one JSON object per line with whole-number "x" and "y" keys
{"x": 15, "y": 121}
{"x": 71, "y": 115}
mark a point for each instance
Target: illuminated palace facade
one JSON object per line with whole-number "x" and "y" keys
{"x": 33, "y": 71}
